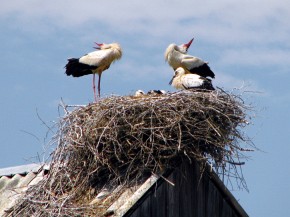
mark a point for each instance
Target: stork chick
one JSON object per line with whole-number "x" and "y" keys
{"x": 156, "y": 92}
{"x": 139, "y": 93}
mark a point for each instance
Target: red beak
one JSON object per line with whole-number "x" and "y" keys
{"x": 98, "y": 45}
{"x": 188, "y": 44}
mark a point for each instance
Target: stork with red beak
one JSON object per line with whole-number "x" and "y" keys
{"x": 176, "y": 56}
{"x": 94, "y": 63}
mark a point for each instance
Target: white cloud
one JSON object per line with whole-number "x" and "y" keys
{"x": 154, "y": 15}
{"x": 250, "y": 33}
{"x": 262, "y": 57}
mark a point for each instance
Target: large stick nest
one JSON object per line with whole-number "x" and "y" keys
{"x": 122, "y": 140}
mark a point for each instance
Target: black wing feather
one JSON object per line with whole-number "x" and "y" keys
{"x": 77, "y": 69}
{"x": 203, "y": 70}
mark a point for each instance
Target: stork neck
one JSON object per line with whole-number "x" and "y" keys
{"x": 177, "y": 83}
{"x": 175, "y": 58}
{"x": 117, "y": 53}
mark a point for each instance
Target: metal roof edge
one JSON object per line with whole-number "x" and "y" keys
{"x": 22, "y": 169}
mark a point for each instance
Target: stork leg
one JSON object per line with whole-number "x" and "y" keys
{"x": 99, "y": 85}
{"x": 94, "y": 86}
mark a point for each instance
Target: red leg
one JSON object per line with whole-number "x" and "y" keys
{"x": 94, "y": 86}
{"x": 99, "y": 85}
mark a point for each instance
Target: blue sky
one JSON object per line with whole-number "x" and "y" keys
{"x": 247, "y": 45}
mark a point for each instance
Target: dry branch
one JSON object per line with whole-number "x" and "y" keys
{"x": 122, "y": 140}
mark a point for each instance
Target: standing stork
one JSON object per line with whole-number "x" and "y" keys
{"x": 176, "y": 56}
{"x": 94, "y": 63}
{"x": 183, "y": 80}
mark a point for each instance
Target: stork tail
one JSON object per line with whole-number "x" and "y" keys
{"x": 77, "y": 69}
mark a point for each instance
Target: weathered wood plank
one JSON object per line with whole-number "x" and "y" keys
{"x": 189, "y": 197}
{"x": 173, "y": 196}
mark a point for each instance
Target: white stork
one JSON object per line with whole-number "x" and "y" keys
{"x": 176, "y": 56}
{"x": 94, "y": 63}
{"x": 183, "y": 80}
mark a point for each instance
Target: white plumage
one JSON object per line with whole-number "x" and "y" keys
{"x": 139, "y": 93}
{"x": 173, "y": 51}
{"x": 94, "y": 62}
{"x": 183, "y": 81}
{"x": 176, "y": 56}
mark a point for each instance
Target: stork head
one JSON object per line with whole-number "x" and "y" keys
{"x": 114, "y": 46}
{"x": 184, "y": 47}
{"x": 179, "y": 71}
